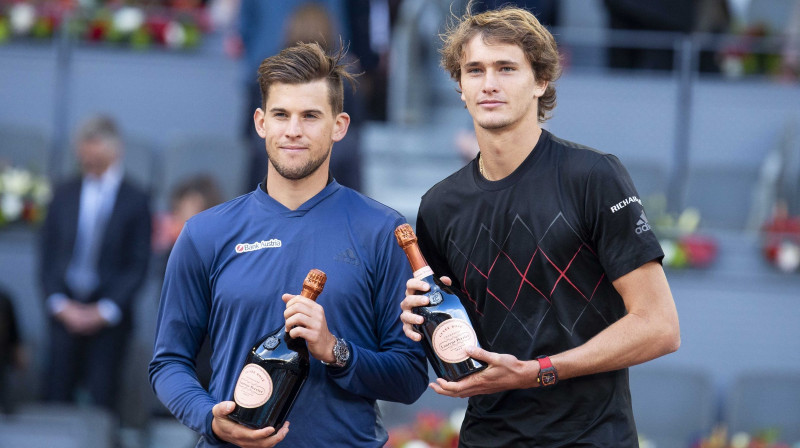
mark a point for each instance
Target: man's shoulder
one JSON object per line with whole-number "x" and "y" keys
{"x": 221, "y": 214}
{"x": 455, "y": 182}
{"x": 368, "y": 210}
{"x": 577, "y": 151}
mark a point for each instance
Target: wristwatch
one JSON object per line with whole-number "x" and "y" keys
{"x": 341, "y": 354}
{"x": 548, "y": 376}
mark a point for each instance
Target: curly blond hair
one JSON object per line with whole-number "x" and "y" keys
{"x": 508, "y": 25}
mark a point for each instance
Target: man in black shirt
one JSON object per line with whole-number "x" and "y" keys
{"x": 549, "y": 248}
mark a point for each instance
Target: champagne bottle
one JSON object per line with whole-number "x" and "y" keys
{"x": 447, "y": 330}
{"x": 274, "y": 371}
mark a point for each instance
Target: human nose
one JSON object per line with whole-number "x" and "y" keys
{"x": 490, "y": 82}
{"x": 294, "y": 127}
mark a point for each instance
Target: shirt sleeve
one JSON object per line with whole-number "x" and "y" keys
{"x": 182, "y": 321}
{"x": 616, "y": 220}
{"x": 397, "y": 371}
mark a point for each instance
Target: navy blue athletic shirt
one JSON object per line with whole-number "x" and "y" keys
{"x": 225, "y": 278}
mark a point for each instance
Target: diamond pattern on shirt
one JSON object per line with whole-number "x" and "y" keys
{"x": 529, "y": 277}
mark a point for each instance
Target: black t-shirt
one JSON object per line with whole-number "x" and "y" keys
{"x": 532, "y": 257}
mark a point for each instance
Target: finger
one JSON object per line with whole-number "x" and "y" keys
{"x": 286, "y": 298}
{"x": 222, "y": 408}
{"x": 446, "y": 280}
{"x": 301, "y": 319}
{"x": 481, "y": 354}
{"x": 413, "y": 285}
{"x": 411, "y": 333}
{"x": 413, "y": 301}
{"x": 303, "y": 309}
{"x": 441, "y": 391}
{"x": 410, "y": 318}
{"x": 293, "y": 300}
{"x": 278, "y": 436}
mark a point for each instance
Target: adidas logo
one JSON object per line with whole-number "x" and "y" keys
{"x": 347, "y": 256}
{"x": 642, "y": 225}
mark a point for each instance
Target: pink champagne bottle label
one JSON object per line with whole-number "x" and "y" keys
{"x": 253, "y": 388}
{"x": 451, "y": 338}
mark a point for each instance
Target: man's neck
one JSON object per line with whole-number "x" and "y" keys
{"x": 294, "y": 193}
{"x": 504, "y": 150}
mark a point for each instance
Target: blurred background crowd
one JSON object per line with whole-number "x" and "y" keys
{"x": 700, "y": 99}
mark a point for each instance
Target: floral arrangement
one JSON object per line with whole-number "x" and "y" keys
{"x": 781, "y": 240}
{"x": 682, "y": 243}
{"x": 757, "y": 49}
{"x": 23, "y": 196}
{"x": 429, "y": 430}
{"x": 767, "y": 438}
{"x": 135, "y": 24}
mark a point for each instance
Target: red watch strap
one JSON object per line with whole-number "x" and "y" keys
{"x": 544, "y": 362}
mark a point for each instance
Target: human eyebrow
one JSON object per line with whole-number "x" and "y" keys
{"x": 506, "y": 63}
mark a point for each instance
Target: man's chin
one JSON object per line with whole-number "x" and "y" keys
{"x": 494, "y": 125}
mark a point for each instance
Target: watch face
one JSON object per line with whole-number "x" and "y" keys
{"x": 341, "y": 352}
{"x": 548, "y": 379}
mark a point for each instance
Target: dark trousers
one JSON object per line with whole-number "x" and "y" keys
{"x": 94, "y": 362}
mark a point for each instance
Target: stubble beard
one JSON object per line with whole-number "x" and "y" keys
{"x": 300, "y": 172}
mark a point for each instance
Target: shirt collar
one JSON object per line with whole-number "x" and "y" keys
{"x": 111, "y": 177}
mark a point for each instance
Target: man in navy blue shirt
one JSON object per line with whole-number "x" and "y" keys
{"x": 233, "y": 272}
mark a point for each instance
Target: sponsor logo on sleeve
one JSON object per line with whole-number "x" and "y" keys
{"x": 642, "y": 225}
{"x": 258, "y": 245}
{"x": 624, "y": 203}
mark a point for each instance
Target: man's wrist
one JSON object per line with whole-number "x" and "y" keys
{"x": 548, "y": 375}
{"x": 340, "y": 352}
{"x": 327, "y": 354}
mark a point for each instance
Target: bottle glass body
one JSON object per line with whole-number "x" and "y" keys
{"x": 447, "y": 330}
{"x": 273, "y": 373}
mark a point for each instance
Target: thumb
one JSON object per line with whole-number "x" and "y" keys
{"x": 287, "y": 297}
{"x": 223, "y": 408}
{"x": 478, "y": 353}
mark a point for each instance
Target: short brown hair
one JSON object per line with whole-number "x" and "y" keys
{"x": 304, "y": 63}
{"x": 100, "y": 127}
{"x": 508, "y": 25}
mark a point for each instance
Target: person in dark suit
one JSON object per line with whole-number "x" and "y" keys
{"x": 95, "y": 246}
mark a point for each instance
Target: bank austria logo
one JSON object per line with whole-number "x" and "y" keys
{"x": 642, "y": 225}
{"x": 258, "y": 245}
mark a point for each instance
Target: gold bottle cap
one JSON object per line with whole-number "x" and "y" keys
{"x": 405, "y": 235}
{"x": 313, "y": 284}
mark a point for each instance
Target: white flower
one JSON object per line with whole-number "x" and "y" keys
{"x": 174, "y": 34}
{"x": 128, "y": 19}
{"x": 11, "y": 207}
{"x": 17, "y": 182}
{"x": 416, "y": 444}
{"x": 788, "y": 259}
{"x": 42, "y": 192}
{"x": 457, "y": 417}
{"x": 740, "y": 440}
{"x": 22, "y": 17}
